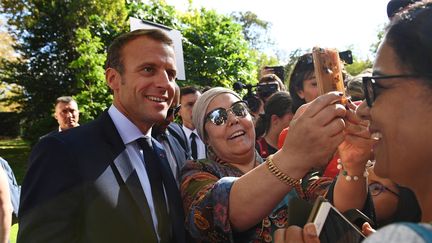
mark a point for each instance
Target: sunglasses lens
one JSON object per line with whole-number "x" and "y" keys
{"x": 218, "y": 116}
{"x": 375, "y": 188}
{"x": 239, "y": 109}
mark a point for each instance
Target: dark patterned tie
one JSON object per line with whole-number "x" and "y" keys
{"x": 194, "y": 146}
{"x": 154, "y": 173}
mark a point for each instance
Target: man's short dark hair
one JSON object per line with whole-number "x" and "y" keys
{"x": 114, "y": 57}
{"x": 64, "y": 99}
{"x": 188, "y": 90}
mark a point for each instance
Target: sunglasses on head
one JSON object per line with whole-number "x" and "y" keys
{"x": 377, "y": 188}
{"x": 219, "y": 116}
{"x": 173, "y": 110}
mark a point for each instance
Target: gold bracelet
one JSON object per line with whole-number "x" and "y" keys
{"x": 280, "y": 175}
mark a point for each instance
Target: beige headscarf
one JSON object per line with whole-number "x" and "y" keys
{"x": 201, "y": 105}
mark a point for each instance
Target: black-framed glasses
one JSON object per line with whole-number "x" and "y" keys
{"x": 172, "y": 111}
{"x": 377, "y": 188}
{"x": 370, "y": 85}
{"x": 219, "y": 116}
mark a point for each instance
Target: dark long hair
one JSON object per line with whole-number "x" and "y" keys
{"x": 278, "y": 104}
{"x": 410, "y": 35}
{"x": 303, "y": 70}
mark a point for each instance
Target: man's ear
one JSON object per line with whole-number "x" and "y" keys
{"x": 112, "y": 78}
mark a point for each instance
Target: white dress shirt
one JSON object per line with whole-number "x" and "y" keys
{"x": 201, "y": 148}
{"x": 129, "y": 133}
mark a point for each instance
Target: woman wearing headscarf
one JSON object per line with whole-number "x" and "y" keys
{"x": 233, "y": 196}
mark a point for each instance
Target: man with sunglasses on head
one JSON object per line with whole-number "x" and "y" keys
{"x": 176, "y": 153}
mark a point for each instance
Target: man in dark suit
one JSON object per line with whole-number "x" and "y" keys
{"x": 101, "y": 182}
{"x": 66, "y": 113}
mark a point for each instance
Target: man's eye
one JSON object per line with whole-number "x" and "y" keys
{"x": 148, "y": 69}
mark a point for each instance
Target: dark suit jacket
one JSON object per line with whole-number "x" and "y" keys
{"x": 179, "y": 154}
{"x": 82, "y": 187}
{"x": 49, "y": 134}
{"x": 176, "y": 130}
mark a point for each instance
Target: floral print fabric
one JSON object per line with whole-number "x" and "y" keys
{"x": 205, "y": 189}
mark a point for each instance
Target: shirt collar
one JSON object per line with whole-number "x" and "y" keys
{"x": 127, "y": 130}
{"x": 188, "y": 131}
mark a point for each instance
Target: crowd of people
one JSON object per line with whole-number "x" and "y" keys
{"x": 166, "y": 163}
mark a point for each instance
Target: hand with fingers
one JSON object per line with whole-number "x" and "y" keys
{"x": 295, "y": 234}
{"x": 316, "y": 131}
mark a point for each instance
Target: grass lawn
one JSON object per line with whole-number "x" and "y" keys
{"x": 15, "y": 151}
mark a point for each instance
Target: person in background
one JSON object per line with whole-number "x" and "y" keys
{"x": 397, "y": 105}
{"x": 277, "y": 115}
{"x": 66, "y": 113}
{"x": 14, "y": 189}
{"x": 108, "y": 180}
{"x": 269, "y": 84}
{"x": 354, "y": 86}
{"x": 176, "y": 153}
{"x": 232, "y": 196}
{"x": 392, "y": 202}
{"x": 188, "y": 97}
{"x": 303, "y": 89}
{"x": 6, "y": 207}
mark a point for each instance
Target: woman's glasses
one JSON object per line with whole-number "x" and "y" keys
{"x": 219, "y": 116}
{"x": 377, "y": 188}
{"x": 370, "y": 85}
{"x": 173, "y": 110}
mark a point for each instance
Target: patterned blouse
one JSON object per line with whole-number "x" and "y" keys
{"x": 205, "y": 190}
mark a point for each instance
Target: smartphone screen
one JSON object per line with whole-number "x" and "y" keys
{"x": 334, "y": 227}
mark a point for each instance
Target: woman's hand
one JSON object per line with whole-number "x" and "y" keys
{"x": 367, "y": 230}
{"x": 296, "y": 234}
{"x": 355, "y": 150}
{"x": 316, "y": 131}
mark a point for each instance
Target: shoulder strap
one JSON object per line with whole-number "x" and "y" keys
{"x": 426, "y": 234}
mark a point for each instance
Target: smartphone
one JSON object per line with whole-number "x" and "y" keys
{"x": 332, "y": 226}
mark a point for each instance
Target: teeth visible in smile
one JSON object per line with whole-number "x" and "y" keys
{"x": 376, "y": 136}
{"x": 156, "y": 99}
{"x": 236, "y": 134}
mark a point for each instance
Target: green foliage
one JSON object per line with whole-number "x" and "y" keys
{"x": 95, "y": 95}
{"x": 54, "y": 60}
{"x": 156, "y": 11}
{"x": 255, "y": 30}
{"x": 358, "y": 66}
{"x": 216, "y": 52}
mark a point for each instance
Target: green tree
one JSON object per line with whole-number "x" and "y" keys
{"x": 7, "y": 54}
{"x": 214, "y": 48}
{"x": 48, "y": 35}
{"x": 358, "y": 66}
{"x": 216, "y": 53}
{"x": 255, "y": 30}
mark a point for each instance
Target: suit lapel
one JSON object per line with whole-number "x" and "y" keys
{"x": 179, "y": 155}
{"x": 130, "y": 177}
{"x": 127, "y": 172}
